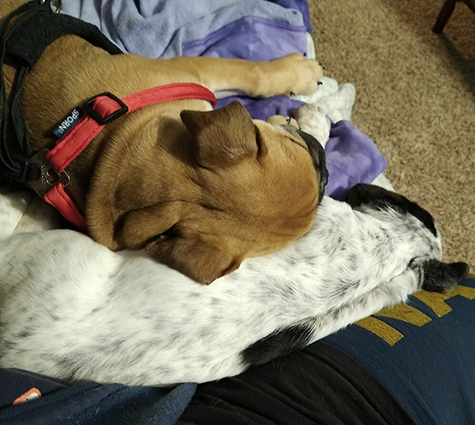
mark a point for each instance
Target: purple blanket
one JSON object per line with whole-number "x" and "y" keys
{"x": 351, "y": 158}
{"x": 246, "y": 29}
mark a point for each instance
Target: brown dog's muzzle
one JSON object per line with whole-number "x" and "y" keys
{"x": 319, "y": 160}
{"x": 319, "y": 157}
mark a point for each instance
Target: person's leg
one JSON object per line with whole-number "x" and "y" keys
{"x": 422, "y": 352}
{"x": 317, "y": 385}
{"x": 414, "y": 361}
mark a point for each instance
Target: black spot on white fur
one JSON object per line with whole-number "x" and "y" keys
{"x": 277, "y": 344}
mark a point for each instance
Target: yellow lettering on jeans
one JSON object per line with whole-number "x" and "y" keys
{"x": 436, "y": 301}
{"x": 403, "y": 312}
{"x": 381, "y": 329}
{"x": 409, "y": 314}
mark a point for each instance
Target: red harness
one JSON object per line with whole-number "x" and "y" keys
{"x": 100, "y": 110}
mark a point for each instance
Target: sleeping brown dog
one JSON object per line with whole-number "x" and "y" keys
{"x": 199, "y": 189}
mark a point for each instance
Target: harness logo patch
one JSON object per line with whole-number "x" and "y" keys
{"x": 68, "y": 122}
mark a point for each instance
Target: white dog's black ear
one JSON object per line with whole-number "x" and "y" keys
{"x": 441, "y": 277}
{"x": 222, "y": 136}
{"x": 381, "y": 199}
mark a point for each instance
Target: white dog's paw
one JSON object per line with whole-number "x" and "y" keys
{"x": 313, "y": 120}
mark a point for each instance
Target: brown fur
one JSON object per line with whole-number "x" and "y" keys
{"x": 200, "y": 190}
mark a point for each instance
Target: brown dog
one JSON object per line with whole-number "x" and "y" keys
{"x": 200, "y": 190}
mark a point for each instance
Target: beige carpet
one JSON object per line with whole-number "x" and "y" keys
{"x": 415, "y": 97}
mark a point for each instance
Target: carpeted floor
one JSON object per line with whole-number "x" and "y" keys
{"x": 415, "y": 97}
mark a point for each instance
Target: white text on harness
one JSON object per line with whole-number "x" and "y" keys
{"x": 68, "y": 122}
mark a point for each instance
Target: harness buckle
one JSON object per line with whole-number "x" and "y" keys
{"x": 49, "y": 176}
{"x": 87, "y": 107}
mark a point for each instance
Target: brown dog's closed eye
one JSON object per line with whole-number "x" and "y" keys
{"x": 201, "y": 256}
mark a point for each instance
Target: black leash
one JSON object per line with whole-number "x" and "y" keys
{"x": 21, "y": 46}
{"x": 15, "y": 165}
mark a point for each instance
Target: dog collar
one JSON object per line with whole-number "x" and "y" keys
{"x": 99, "y": 111}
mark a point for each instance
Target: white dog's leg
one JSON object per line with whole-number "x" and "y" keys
{"x": 386, "y": 294}
{"x": 389, "y": 293}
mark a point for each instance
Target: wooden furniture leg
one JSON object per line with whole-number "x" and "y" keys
{"x": 470, "y": 4}
{"x": 444, "y": 15}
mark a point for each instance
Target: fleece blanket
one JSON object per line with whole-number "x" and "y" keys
{"x": 247, "y": 29}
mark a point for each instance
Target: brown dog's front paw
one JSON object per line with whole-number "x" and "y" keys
{"x": 289, "y": 75}
{"x": 304, "y": 74}
{"x": 281, "y": 120}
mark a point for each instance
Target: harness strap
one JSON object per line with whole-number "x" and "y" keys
{"x": 107, "y": 106}
{"x": 101, "y": 110}
{"x": 21, "y": 46}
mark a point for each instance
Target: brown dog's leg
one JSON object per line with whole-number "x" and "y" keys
{"x": 292, "y": 74}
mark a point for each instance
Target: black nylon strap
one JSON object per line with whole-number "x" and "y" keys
{"x": 21, "y": 46}
{"x": 30, "y": 40}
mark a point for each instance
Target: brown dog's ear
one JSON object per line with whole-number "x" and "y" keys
{"x": 194, "y": 257}
{"x": 202, "y": 257}
{"x": 222, "y": 136}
